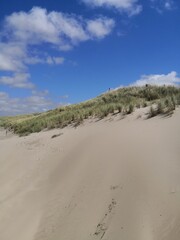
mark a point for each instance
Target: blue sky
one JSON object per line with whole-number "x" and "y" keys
{"x": 55, "y": 53}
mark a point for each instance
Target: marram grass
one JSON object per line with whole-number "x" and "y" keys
{"x": 162, "y": 100}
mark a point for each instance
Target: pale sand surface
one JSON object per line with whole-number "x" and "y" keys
{"x": 110, "y": 180}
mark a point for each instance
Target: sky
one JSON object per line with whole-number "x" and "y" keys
{"x": 60, "y": 52}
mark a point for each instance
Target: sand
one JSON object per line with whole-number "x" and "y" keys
{"x": 111, "y": 179}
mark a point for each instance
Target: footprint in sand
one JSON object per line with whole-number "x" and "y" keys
{"x": 102, "y": 227}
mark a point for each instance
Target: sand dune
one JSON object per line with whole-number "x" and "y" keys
{"x": 110, "y": 180}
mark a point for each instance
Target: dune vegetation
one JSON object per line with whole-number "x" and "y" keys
{"x": 160, "y": 99}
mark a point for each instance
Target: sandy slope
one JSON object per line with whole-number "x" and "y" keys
{"x": 110, "y": 180}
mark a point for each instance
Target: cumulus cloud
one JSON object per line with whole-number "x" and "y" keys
{"x": 38, "y": 102}
{"x": 131, "y": 7}
{"x": 101, "y": 27}
{"x": 39, "y": 26}
{"x": 11, "y": 56}
{"x": 14, "y": 57}
{"x": 159, "y": 79}
{"x": 19, "y": 80}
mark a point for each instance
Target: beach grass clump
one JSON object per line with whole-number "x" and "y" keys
{"x": 152, "y": 112}
{"x": 119, "y": 108}
{"x": 178, "y": 99}
{"x": 102, "y": 112}
{"x": 130, "y": 108}
{"x": 160, "y": 107}
{"x": 164, "y": 106}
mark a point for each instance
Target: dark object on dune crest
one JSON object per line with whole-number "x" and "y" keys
{"x": 56, "y": 135}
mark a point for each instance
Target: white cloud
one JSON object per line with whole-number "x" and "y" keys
{"x": 33, "y": 60}
{"x": 36, "y": 103}
{"x": 131, "y": 7}
{"x": 158, "y": 79}
{"x": 44, "y": 60}
{"x": 11, "y": 56}
{"x": 19, "y": 80}
{"x": 34, "y": 26}
{"x": 54, "y": 60}
{"x": 100, "y": 27}
{"x": 58, "y": 60}
{"x": 39, "y": 26}
{"x": 15, "y": 57}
